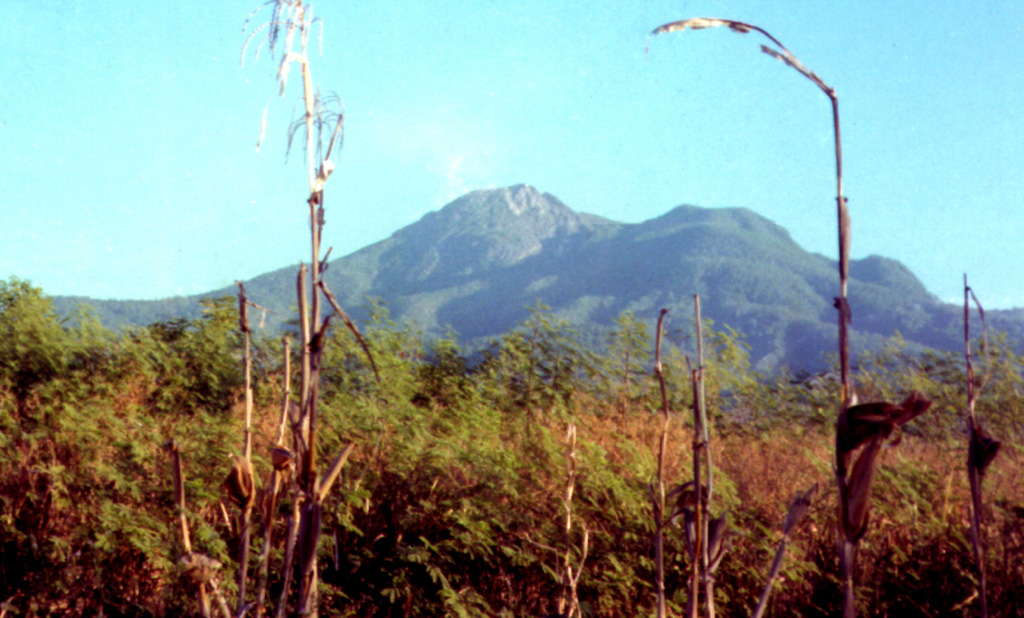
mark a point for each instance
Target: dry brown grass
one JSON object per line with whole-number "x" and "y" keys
{"x": 917, "y": 545}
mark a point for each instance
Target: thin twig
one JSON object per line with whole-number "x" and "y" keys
{"x": 351, "y": 326}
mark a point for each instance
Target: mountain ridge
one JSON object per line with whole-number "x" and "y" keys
{"x": 476, "y": 263}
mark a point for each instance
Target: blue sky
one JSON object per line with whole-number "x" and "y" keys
{"x": 128, "y": 164}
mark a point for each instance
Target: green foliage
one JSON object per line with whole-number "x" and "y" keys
{"x": 451, "y": 503}
{"x": 196, "y": 363}
{"x": 539, "y": 365}
{"x": 892, "y": 372}
{"x": 443, "y": 378}
{"x": 629, "y": 350}
{"x": 33, "y": 345}
{"x": 84, "y": 502}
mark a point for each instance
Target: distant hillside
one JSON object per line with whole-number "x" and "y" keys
{"x": 478, "y": 262}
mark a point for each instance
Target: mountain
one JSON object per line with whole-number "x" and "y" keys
{"x": 476, "y": 264}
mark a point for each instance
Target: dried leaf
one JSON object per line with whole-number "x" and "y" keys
{"x": 861, "y": 423}
{"x": 685, "y": 496}
{"x": 281, "y": 458}
{"x": 243, "y": 309}
{"x": 700, "y": 23}
{"x": 982, "y": 450}
{"x": 718, "y": 531}
{"x": 912, "y": 407}
{"x": 856, "y": 426}
{"x": 240, "y": 483}
{"x": 858, "y": 490}
{"x": 780, "y": 56}
{"x": 351, "y": 326}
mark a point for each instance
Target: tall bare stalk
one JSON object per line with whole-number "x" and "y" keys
{"x": 699, "y": 543}
{"x": 701, "y": 448}
{"x": 981, "y": 450}
{"x": 569, "y": 602}
{"x": 658, "y": 499}
{"x": 281, "y": 460}
{"x": 847, "y": 396}
{"x": 242, "y": 474}
{"x": 292, "y": 20}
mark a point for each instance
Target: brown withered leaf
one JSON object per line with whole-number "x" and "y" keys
{"x": 858, "y": 491}
{"x": 243, "y": 309}
{"x": 685, "y": 496}
{"x": 781, "y": 57}
{"x": 912, "y": 407}
{"x": 718, "y": 530}
{"x": 982, "y": 450}
{"x": 700, "y": 23}
{"x": 859, "y": 424}
{"x": 281, "y": 458}
{"x": 240, "y": 482}
{"x": 783, "y": 54}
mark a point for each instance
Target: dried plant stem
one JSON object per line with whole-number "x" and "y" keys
{"x": 243, "y": 324}
{"x": 351, "y": 326}
{"x": 308, "y": 489}
{"x": 699, "y": 545}
{"x": 980, "y": 452}
{"x": 179, "y": 494}
{"x": 222, "y": 603}
{"x": 303, "y": 434}
{"x": 699, "y": 394}
{"x": 291, "y": 538}
{"x": 773, "y": 574}
{"x": 701, "y": 434}
{"x": 274, "y": 486}
{"x": 286, "y": 393}
{"x": 797, "y": 510}
{"x": 246, "y": 520}
{"x": 658, "y": 500}
{"x": 847, "y": 551}
{"x": 263, "y": 560}
{"x": 568, "y": 601}
{"x": 847, "y": 396}
{"x": 179, "y": 502}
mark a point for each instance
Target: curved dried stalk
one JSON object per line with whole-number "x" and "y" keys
{"x": 784, "y": 55}
{"x": 658, "y": 500}
{"x": 201, "y": 568}
{"x": 847, "y": 395}
{"x": 982, "y": 448}
{"x": 241, "y": 480}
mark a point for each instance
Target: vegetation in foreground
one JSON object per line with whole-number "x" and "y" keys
{"x": 452, "y": 503}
